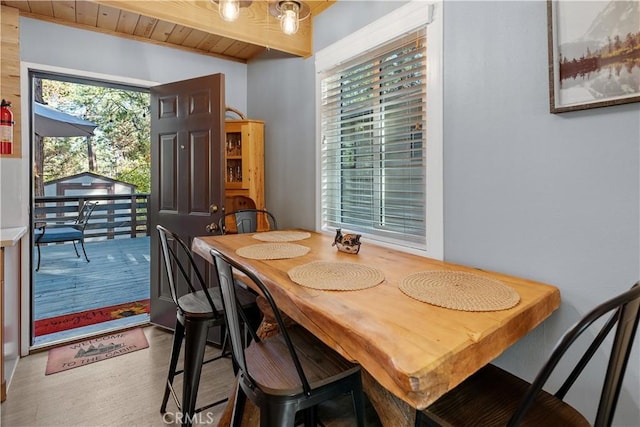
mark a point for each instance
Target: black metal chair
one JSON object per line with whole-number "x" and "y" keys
{"x": 289, "y": 372}
{"x": 198, "y": 310}
{"x": 494, "y": 397}
{"x": 56, "y": 233}
{"x": 249, "y": 221}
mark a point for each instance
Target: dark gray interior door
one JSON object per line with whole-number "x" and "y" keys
{"x": 187, "y": 174}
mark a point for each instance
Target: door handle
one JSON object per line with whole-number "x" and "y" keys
{"x": 212, "y": 227}
{"x": 213, "y": 208}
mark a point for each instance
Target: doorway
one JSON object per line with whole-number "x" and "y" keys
{"x": 90, "y": 144}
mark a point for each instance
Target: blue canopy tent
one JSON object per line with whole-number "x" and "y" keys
{"x": 49, "y": 122}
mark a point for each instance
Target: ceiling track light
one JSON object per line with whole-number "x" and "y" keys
{"x": 229, "y": 10}
{"x": 290, "y": 13}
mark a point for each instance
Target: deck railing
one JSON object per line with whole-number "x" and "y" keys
{"x": 114, "y": 215}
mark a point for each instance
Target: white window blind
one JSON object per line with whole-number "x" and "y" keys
{"x": 373, "y": 142}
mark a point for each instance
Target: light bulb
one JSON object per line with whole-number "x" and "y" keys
{"x": 289, "y": 19}
{"x": 229, "y": 9}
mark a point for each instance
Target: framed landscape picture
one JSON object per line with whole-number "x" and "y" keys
{"x": 594, "y": 53}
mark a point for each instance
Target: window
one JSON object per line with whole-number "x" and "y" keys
{"x": 375, "y": 147}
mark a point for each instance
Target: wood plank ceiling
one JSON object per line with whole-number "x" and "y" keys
{"x": 192, "y": 25}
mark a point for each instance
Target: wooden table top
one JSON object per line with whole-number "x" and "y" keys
{"x": 415, "y": 350}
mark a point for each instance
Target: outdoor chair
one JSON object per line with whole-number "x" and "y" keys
{"x": 494, "y": 397}
{"x": 198, "y": 309}
{"x": 55, "y": 233}
{"x": 286, "y": 373}
{"x": 248, "y": 221}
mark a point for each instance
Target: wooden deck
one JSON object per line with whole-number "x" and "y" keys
{"x": 118, "y": 272}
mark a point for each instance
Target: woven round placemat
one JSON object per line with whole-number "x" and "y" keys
{"x": 459, "y": 290}
{"x": 336, "y": 276}
{"x": 272, "y": 251}
{"x": 281, "y": 236}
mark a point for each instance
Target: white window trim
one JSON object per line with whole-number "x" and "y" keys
{"x": 403, "y": 20}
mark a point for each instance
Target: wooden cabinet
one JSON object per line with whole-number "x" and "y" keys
{"x": 244, "y": 160}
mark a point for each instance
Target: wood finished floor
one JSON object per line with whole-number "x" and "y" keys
{"x": 125, "y": 391}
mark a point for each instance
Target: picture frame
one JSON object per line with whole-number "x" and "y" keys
{"x": 591, "y": 64}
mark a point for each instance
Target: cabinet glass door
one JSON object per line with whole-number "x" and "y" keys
{"x": 234, "y": 158}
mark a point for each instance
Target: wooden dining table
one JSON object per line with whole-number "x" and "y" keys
{"x": 411, "y": 352}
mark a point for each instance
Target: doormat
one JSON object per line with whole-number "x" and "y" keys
{"x": 95, "y": 349}
{"x": 65, "y": 322}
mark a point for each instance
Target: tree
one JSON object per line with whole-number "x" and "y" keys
{"x": 120, "y": 148}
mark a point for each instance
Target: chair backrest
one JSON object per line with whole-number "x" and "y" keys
{"x": 84, "y": 215}
{"x": 625, "y": 309}
{"x": 174, "y": 249}
{"x": 249, "y": 221}
{"x": 235, "y": 203}
{"x": 233, "y": 313}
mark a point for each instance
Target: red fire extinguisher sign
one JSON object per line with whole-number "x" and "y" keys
{"x": 6, "y": 128}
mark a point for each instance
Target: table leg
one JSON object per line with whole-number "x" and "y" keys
{"x": 225, "y": 420}
{"x": 250, "y": 415}
{"x": 391, "y": 410}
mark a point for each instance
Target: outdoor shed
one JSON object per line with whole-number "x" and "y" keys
{"x": 86, "y": 183}
{"x": 121, "y": 211}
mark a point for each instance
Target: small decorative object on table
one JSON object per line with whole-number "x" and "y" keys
{"x": 349, "y": 243}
